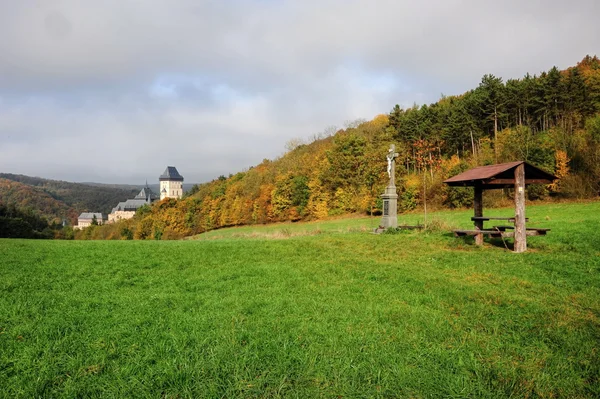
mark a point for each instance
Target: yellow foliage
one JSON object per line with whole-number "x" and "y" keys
{"x": 381, "y": 120}
{"x": 562, "y": 169}
{"x": 344, "y": 201}
{"x": 318, "y": 206}
{"x": 413, "y": 181}
{"x": 320, "y": 209}
{"x": 366, "y": 200}
{"x": 449, "y": 164}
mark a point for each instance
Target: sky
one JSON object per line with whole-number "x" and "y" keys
{"x": 113, "y": 91}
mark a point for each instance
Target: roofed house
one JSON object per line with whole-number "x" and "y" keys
{"x": 126, "y": 209}
{"x": 86, "y": 219}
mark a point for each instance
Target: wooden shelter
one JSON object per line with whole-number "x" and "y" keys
{"x": 515, "y": 175}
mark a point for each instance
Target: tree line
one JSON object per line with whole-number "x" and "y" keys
{"x": 26, "y": 223}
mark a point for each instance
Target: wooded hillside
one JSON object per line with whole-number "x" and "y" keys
{"x": 28, "y": 198}
{"x": 55, "y": 199}
{"x": 551, "y": 120}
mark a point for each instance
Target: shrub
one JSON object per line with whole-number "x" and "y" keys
{"x": 537, "y": 192}
{"x": 126, "y": 233}
{"x": 575, "y": 186}
{"x": 459, "y": 197}
{"x": 409, "y": 199}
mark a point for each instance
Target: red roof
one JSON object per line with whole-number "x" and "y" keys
{"x": 500, "y": 175}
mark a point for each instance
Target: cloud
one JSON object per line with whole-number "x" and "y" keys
{"x": 216, "y": 86}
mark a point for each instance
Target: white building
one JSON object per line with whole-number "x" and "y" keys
{"x": 86, "y": 218}
{"x": 171, "y": 183}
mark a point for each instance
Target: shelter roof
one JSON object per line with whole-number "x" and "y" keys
{"x": 500, "y": 176}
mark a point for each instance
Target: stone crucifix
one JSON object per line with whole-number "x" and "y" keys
{"x": 389, "y": 198}
{"x": 391, "y": 168}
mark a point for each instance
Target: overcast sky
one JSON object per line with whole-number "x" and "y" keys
{"x": 113, "y": 91}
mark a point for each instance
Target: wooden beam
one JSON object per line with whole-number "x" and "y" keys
{"x": 538, "y": 181}
{"x": 496, "y": 186}
{"x": 478, "y": 212}
{"x": 512, "y": 181}
{"x": 520, "y": 232}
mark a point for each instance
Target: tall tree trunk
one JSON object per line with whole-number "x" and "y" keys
{"x": 495, "y": 133}
{"x": 425, "y": 197}
{"x": 430, "y": 164}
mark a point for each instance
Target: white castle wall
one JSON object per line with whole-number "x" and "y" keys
{"x": 174, "y": 189}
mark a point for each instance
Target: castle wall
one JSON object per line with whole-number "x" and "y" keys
{"x": 174, "y": 189}
{"x": 120, "y": 215}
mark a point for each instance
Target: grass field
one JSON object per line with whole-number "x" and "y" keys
{"x": 322, "y": 309}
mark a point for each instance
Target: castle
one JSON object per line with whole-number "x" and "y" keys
{"x": 171, "y": 186}
{"x": 171, "y": 183}
{"x": 126, "y": 209}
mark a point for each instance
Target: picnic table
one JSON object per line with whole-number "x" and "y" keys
{"x": 516, "y": 175}
{"x": 496, "y": 231}
{"x": 487, "y": 218}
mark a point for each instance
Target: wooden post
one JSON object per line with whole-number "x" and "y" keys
{"x": 478, "y": 207}
{"x": 520, "y": 231}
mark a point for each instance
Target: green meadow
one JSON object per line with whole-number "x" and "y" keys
{"x": 320, "y": 309}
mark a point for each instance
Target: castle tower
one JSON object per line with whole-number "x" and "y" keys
{"x": 171, "y": 183}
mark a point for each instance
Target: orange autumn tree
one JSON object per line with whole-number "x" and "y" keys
{"x": 561, "y": 171}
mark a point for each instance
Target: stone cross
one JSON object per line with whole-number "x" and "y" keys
{"x": 391, "y": 169}
{"x": 390, "y": 197}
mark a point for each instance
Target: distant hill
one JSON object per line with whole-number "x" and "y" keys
{"x": 109, "y": 185}
{"x": 57, "y": 199}
{"x": 26, "y": 197}
{"x": 153, "y": 187}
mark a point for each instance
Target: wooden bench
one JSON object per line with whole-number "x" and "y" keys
{"x": 485, "y": 219}
{"x": 534, "y": 231}
{"x": 540, "y": 231}
{"x": 503, "y": 228}
{"x": 496, "y": 231}
{"x": 500, "y": 232}
{"x": 489, "y": 233}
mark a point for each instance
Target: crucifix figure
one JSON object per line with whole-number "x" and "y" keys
{"x": 389, "y": 218}
{"x": 391, "y": 168}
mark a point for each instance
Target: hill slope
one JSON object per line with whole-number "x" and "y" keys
{"x": 26, "y": 197}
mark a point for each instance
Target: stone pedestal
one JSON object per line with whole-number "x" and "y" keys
{"x": 390, "y": 197}
{"x": 390, "y": 208}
